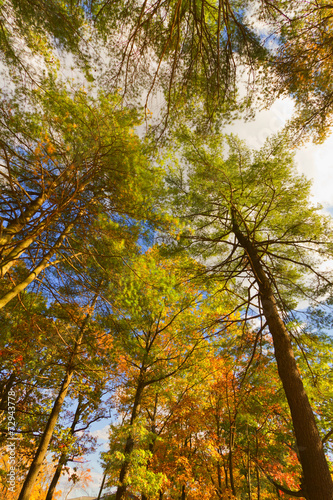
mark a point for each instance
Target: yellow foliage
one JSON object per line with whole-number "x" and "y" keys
{"x": 40, "y": 489}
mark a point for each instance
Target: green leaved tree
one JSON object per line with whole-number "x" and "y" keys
{"x": 249, "y": 218}
{"x": 68, "y": 160}
{"x": 157, "y": 333}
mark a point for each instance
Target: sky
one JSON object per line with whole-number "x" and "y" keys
{"x": 313, "y": 160}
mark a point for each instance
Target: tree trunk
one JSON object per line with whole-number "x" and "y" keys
{"x": 317, "y": 479}
{"x": 257, "y": 470}
{"x": 219, "y": 480}
{"x": 225, "y": 475}
{"x": 64, "y": 456}
{"x": 129, "y": 446}
{"x": 232, "y": 433}
{"x": 248, "y": 475}
{"x": 44, "y": 263}
{"x": 48, "y": 432}
{"x": 46, "y": 438}
{"x": 102, "y": 486}
{"x": 231, "y": 473}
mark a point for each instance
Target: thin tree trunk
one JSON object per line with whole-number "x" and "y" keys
{"x": 231, "y": 473}
{"x": 51, "y": 423}
{"x": 248, "y": 463}
{"x": 225, "y": 475}
{"x": 101, "y": 488}
{"x": 219, "y": 479}
{"x": 317, "y": 478}
{"x": 152, "y": 442}
{"x": 129, "y": 446}
{"x": 64, "y": 456}
{"x": 232, "y": 432}
{"x": 257, "y": 470}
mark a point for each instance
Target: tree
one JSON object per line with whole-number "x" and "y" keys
{"x": 301, "y": 61}
{"x": 185, "y": 48}
{"x": 222, "y": 427}
{"x": 34, "y": 32}
{"x": 70, "y": 162}
{"x": 251, "y": 213}
{"x": 192, "y": 50}
{"x": 56, "y": 409}
{"x": 71, "y": 448}
{"x": 40, "y": 488}
{"x": 155, "y": 335}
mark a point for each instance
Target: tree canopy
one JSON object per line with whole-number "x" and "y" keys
{"x": 154, "y": 270}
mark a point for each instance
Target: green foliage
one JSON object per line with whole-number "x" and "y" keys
{"x": 301, "y": 62}
{"x": 139, "y": 478}
{"x": 189, "y": 49}
{"x": 261, "y": 190}
{"x": 168, "y": 329}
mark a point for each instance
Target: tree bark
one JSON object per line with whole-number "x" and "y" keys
{"x": 257, "y": 470}
{"x": 44, "y": 263}
{"x": 219, "y": 480}
{"x": 102, "y": 486}
{"x": 64, "y": 456}
{"x": 231, "y": 472}
{"x": 51, "y": 423}
{"x": 318, "y": 483}
{"x": 129, "y": 446}
{"x": 46, "y": 438}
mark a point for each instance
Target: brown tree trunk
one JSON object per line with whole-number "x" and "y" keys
{"x": 225, "y": 475}
{"x": 46, "y": 438}
{"x": 129, "y": 446}
{"x": 219, "y": 480}
{"x": 257, "y": 470}
{"x": 51, "y": 423}
{"x": 318, "y": 483}
{"x": 102, "y": 486}
{"x": 64, "y": 456}
{"x": 232, "y": 433}
{"x": 248, "y": 475}
{"x": 231, "y": 473}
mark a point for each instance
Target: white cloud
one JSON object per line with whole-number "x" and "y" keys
{"x": 315, "y": 161}
{"x": 102, "y": 434}
{"x": 266, "y": 123}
